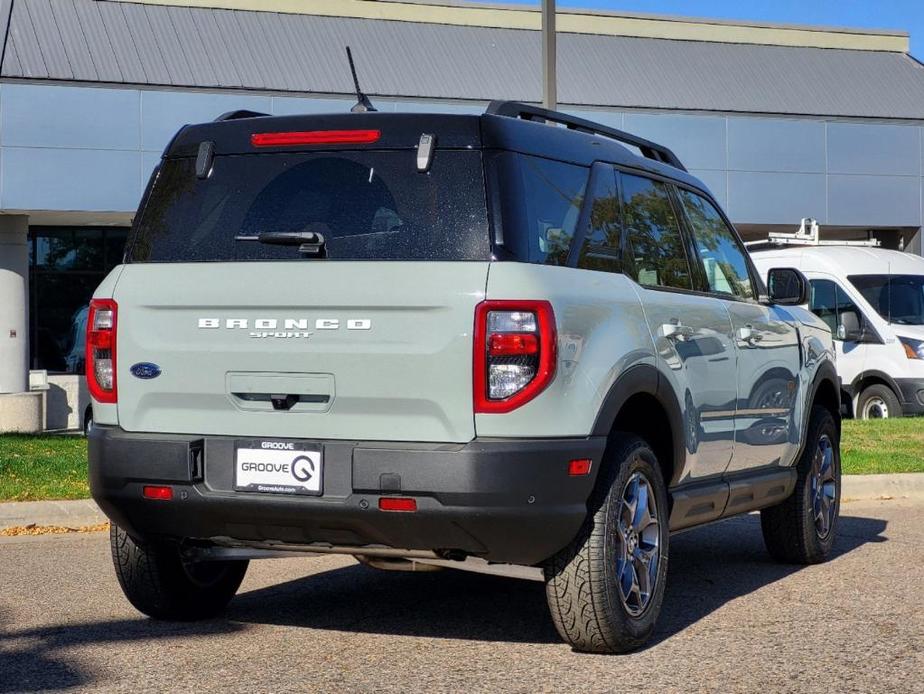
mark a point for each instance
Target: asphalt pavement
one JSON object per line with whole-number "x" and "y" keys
{"x": 732, "y": 621}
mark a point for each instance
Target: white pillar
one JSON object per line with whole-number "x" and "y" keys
{"x": 14, "y": 303}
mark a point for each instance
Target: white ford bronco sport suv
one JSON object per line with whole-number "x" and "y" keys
{"x": 504, "y": 339}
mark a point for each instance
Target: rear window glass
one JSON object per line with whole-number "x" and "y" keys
{"x": 367, "y": 205}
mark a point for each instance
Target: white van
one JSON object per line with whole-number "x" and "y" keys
{"x": 873, "y": 301}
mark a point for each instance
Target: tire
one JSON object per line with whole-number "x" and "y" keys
{"x": 802, "y": 529}
{"x": 878, "y": 402}
{"x": 161, "y": 585}
{"x": 589, "y": 609}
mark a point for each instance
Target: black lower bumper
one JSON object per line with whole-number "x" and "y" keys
{"x": 503, "y": 500}
{"x": 912, "y": 395}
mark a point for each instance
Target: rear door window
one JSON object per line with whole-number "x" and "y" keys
{"x": 369, "y": 205}
{"x": 655, "y": 246}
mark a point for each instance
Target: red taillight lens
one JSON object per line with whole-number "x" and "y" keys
{"x": 101, "y": 350}
{"x": 509, "y": 344}
{"x": 394, "y": 503}
{"x": 316, "y": 137}
{"x": 158, "y": 493}
{"x": 514, "y": 356}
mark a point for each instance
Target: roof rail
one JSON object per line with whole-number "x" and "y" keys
{"x": 240, "y": 113}
{"x": 650, "y": 150}
{"x": 808, "y": 235}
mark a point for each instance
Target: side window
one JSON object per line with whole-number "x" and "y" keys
{"x": 602, "y": 247}
{"x": 723, "y": 257}
{"x": 554, "y": 193}
{"x": 822, "y": 302}
{"x": 654, "y": 243}
{"x": 848, "y": 313}
{"x": 830, "y": 302}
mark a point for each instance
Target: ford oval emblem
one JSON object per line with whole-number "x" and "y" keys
{"x": 145, "y": 370}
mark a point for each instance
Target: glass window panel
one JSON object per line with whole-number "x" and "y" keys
{"x": 654, "y": 238}
{"x": 602, "y": 247}
{"x": 723, "y": 257}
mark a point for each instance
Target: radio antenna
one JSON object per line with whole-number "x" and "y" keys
{"x": 362, "y": 101}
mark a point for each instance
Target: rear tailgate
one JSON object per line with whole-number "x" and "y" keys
{"x": 347, "y": 350}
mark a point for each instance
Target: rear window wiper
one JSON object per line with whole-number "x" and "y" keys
{"x": 308, "y": 242}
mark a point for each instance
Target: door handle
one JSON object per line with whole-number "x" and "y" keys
{"x": 748, "y": 335}
{"x": 676, "y": 331}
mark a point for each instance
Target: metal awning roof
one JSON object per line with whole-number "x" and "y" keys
{"x": 176, "y": 46}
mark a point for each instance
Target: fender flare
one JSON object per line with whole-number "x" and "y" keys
{"x": 880, "y": 375}
{"x": 644, "y": 379}
{"x": 826, "y": 373}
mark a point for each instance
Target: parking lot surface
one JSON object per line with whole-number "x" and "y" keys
{"x": 732, "y": 621}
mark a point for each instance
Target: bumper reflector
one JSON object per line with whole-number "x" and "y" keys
{"x": 579, "y": 467}
{"x": 394, "y": 503}
{"x": 157, "y": 492}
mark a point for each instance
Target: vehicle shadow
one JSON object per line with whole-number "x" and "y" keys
{"x": 708, "y": 567}
{"x": 37, "y": 659}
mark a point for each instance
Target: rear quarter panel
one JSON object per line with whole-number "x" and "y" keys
{"x": 602, "y": 331}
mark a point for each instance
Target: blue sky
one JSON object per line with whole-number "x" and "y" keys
{"x": 907, "y": 15}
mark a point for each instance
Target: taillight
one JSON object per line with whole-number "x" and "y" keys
{"x": 316, "y": 137}
{"x": 101, "y": 349}
{"x": 514, "y": 356}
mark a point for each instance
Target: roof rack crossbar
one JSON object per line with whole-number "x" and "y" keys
{"x": 809, "y": 234}
{"x": 240, "y": 113}
{"x": 649, "y": 149}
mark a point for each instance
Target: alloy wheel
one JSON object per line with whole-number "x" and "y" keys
{"x": 638, "y": 544}
{"x": 824, "y": 487}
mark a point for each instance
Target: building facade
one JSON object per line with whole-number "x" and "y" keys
{"x": 781, "y": 122}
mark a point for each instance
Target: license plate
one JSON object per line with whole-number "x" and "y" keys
{"x": 277, "y": 467}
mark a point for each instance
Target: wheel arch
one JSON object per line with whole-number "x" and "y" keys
{"x": 872, "y": 377}
{"x": 825, "y": 391}
{"x": 640, "y": 401}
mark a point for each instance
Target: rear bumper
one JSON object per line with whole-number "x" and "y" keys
{"x": 504, "y": 500}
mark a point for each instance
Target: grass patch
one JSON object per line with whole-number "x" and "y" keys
{"x": 55, "y": 467}
{"x": 43, "y": 467}
{"x": 882, "y": 446}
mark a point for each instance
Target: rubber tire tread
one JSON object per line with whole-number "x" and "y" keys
{"x": 581, "y": 587}
{"x": 789, "y": 527}
{"x": 155, "y": 583}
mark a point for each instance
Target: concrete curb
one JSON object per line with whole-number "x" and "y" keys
{"x": 83, "y": 512}
{"x": 68, "y": 514}
{"x": 909, "y": 485}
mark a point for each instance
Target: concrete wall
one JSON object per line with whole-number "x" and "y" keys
{"x": 767, "y": 170}
{"x": 66, "y": 402}
{"x": 92, "y": 149}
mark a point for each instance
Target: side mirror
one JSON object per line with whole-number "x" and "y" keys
{"x": 850, "y": 328}
{"x": 787, "y": 286}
